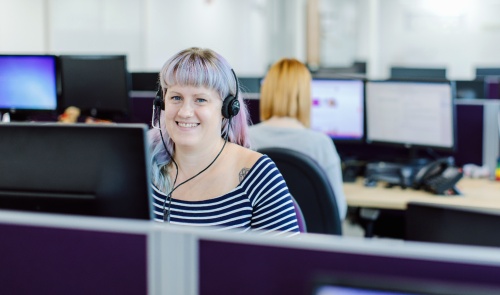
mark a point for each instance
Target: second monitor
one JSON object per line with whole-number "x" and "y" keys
{"x": 97, "y": 84}
{"x": 338, "y": 108}
{"x": 410, "y": 114}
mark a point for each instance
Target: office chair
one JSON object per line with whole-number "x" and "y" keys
{"x": 300, "y": 216}
{"x": 309, "y": 185}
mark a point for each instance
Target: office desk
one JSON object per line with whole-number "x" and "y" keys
{"x": 476, "y": 193}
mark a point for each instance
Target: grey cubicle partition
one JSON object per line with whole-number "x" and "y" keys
{"x": 43, "y": 253}
{"x": 51, "y": 254}
{"x": 55, "y": 254}
{"x": 232, "y": 267}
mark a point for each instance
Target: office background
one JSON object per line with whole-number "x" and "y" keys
{"x": 458, "y": 35}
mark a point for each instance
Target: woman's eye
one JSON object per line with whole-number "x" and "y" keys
{"x": 200, "y": 100}
{"x": 176, "y": 98}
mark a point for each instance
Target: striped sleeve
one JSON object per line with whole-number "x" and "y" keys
{"x": 273, "y": 209}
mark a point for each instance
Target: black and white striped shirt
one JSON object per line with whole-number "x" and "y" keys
{"x": 260, "y": 202}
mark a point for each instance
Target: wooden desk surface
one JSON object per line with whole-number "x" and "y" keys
{"x": 476, "y": 193}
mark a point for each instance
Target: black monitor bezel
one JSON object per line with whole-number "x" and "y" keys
{"x": 64, "y": 170}
{"x": 413, "y": 146}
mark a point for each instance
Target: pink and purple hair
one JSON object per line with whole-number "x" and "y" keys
{"x": 199, "y": 68}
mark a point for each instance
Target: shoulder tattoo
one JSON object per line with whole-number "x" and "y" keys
{"x": 243, "y": 173}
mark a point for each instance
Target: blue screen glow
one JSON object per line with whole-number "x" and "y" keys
{"x": 28, "y": 82}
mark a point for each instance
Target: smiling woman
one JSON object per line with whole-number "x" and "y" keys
{"x": 192, "y": 116}
{"x": 203, "y": 172}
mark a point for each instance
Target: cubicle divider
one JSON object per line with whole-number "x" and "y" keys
{"x": 258, "y": 266}
{"x": 44, "y": 253}
{"x": 53, "y": 254}
{"x": 50, "y": 254}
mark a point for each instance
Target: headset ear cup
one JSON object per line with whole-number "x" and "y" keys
{"x": 230, "y": 107}
{"x": 158, "y": 101}
{"x": 235, "y": 107}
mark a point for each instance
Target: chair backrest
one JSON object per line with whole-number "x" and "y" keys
{"x": 310, "y": 187}
{"x": 300, "y": 216}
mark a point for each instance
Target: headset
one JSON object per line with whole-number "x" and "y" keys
{"x": 230, "y": 108}
{"x": 230, "y": 105}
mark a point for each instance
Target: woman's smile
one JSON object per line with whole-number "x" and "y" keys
{"x": 187, "y": 125}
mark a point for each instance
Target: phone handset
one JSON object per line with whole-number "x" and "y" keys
{"x": 439, "y": 177}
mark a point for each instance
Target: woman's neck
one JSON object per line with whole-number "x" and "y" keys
{"x": 191, "y": 162}
{"x": 287, "y": 122}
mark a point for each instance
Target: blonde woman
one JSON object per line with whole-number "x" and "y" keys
{"x": 285, "y": 111}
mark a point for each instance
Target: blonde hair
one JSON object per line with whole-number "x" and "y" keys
{"x": 286, "y": 92}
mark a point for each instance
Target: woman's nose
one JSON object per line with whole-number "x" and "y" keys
{"x": 186, "y": 110}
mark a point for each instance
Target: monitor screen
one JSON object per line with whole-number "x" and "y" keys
{"x": 97, "y": 84}
{"x": 86, "y": 169}
{"x": 28, "y": 82}
{"x": 338, "y": 108}
{"x": 413, "y": 114}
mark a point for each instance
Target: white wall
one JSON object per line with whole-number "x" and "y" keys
{"x": 456, "y": 34}
{"x": 148, "y": 31}
{"x": 340, "y": 23}
{"x": 22, "y": 26}
{"x": 459, "y": 35}
{"x": 235, "y": 29}
{"x": 251, "y": 34}
{"x": 97, "y": 27}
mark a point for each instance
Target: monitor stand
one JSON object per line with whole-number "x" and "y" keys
{"x": 415, "y": 159}
{"x": 14, "y": 117}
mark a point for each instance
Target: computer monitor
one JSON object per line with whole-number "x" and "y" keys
{"x": 491, "y": 78}
{"x": 28, "y": 84}
{"x": 97, "y": 84}
{"x": 418, "y": 73}
{"x": 253, "y": 106}
{"x": 411, "y": 114}
{"x": 144, "y": 81}
{"x": 84, "y": 169}
{"x": 338, "y": 108}
{"x": 250, "y": 84}
{"x": 487, "y": 72}
{"x": 470, "y": 89}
